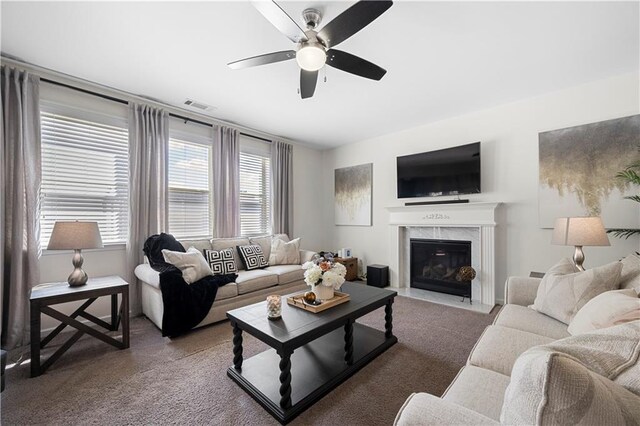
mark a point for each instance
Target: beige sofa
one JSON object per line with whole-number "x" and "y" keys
{"x": 250, "y": 286}
{"x": 477, "y": 393}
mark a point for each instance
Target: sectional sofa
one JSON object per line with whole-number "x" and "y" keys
{"x": 250, "y": 286}
{"x": 477, "y": 394}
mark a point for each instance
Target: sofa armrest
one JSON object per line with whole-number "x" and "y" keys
{"x": 306, "y": 255}
{"x": 147, "y": 274}
{"x": 426, "y": 409}
{"x": 521, "y": 290}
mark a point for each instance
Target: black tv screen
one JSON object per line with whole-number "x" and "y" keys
{"x": 450, "y": 171}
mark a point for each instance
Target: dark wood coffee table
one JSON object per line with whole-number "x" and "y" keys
{"x": 312, "y": 353}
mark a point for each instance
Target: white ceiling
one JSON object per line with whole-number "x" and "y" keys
{"x": 443, "y": 58}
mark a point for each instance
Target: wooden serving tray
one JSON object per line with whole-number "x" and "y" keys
{"x": 338, "y": 298}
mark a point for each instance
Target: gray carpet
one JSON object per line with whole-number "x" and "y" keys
{"x": 164, "y": 381}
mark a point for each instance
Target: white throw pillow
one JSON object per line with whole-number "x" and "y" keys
{"x": 591, "y": 379}
{"x": 630, "y": 276}
{"x": 606, "y": 310}
{"x": 564, "y": 290}
{"x": 285, "y": 253}
{"x": 192, "y": 264}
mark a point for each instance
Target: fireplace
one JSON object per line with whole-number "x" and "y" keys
{"x": 435, "y": 265}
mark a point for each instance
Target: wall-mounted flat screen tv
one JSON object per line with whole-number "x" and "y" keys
{"x": 451, "y": 171}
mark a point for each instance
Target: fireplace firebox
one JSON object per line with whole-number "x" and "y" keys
{"x": 435, "y": 265}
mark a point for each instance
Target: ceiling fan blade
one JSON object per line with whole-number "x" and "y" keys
{"x": 350, "y": 63}
{"x": 265, "y": 59}
{"x": 279, "y": 18}
{"x": 351, "y": 21}
{"x": 308, "y": 80}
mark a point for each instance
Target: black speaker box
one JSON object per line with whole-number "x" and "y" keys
{"x": 378, "y": 275}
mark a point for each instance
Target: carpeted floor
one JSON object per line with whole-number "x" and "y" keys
{"x": 163, "y": 381}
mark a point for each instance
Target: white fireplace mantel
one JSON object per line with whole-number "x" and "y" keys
{"x": 480, "y": 217}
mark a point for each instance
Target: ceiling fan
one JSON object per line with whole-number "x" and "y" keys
{"x": 316, "y": 48}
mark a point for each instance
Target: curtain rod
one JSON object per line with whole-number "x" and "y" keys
{"x": 122, "y": 101}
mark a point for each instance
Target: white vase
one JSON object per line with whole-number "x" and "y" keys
{"x": 322, "y": 292}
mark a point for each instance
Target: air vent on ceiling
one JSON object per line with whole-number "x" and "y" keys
{"x": 198, "y": 105}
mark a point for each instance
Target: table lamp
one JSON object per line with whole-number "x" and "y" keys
{"x": 75, "y": 236}
{"x": 579, "y": 232}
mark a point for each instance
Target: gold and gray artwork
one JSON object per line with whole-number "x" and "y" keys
{"x": 578, "y": 168}
{"x": 353, "y": 195}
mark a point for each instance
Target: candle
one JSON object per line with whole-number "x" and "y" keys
{"x": 274, "y": 306}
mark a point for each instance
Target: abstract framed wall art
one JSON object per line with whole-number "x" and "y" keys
{"x": 353, "y": 193}
{"x": 578, "y": 167}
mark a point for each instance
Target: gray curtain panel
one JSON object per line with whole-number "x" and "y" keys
{"x": 21, "y": 177}
{"x": 282, "y": 187}
{"x": 226, "y": 181}
{"x": 148, "y": 186}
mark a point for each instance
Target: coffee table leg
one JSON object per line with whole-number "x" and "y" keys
{"x": 285, "y": 379}
{"x": 388, "y": 319}
{"x": 348, "y": 342}
{"x": 237, "y": 347}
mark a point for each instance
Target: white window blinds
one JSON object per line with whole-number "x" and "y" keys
{"x": 255, "y": 189}
{"x": 189, "y": 189}
{"x": 84, "y": 175}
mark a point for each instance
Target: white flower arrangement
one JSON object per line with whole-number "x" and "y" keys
{"x": 324, "y": 271}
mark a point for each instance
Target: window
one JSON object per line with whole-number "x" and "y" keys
{"x": 255, "y": 188}
{"x": 189, "y": 189}
{"x": 84, "y": 172}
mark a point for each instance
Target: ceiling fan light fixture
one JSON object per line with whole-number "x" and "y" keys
{"x": 311, "y": 57}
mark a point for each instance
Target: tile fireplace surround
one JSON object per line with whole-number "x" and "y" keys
{"x": 475, "y": 222}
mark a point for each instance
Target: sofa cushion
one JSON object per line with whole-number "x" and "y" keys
{"x": 283, "y": 253}
{"x": 223, "y": 243}
{"x": 264, "y": 241}
{"x": 569, "y": 381}
{"x": 630, "y": 275}
{"x": 527, "y": 319}
{"x": 606, "y": 310}
{"x": 287, "y": 273}
{"x": 478, "y": 389}
{"x": 256, "y": 279}
{"x": 252, "y": 257}
{"x": 425, "y": 409}
{"x": 563, "y": 291}
{"x": 499, "y": 347}
{"x": 201, "y": 245}
{"x": 227, "y": 291}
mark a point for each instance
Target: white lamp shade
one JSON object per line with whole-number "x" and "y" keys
{"x": 579, "y": 231}
{"x": 75, "y": 236}
{"x": 311, "y": 58}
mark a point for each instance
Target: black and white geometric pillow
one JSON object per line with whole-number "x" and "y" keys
{"x": 252, "y": 257}
{"x": 221, "y": 262}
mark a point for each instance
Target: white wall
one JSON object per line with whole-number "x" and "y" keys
{"x": 56, "y": 266}
{"x": 509, "y": 136}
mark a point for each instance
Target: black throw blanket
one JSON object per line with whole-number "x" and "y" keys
{"x": 185, "y": 305}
